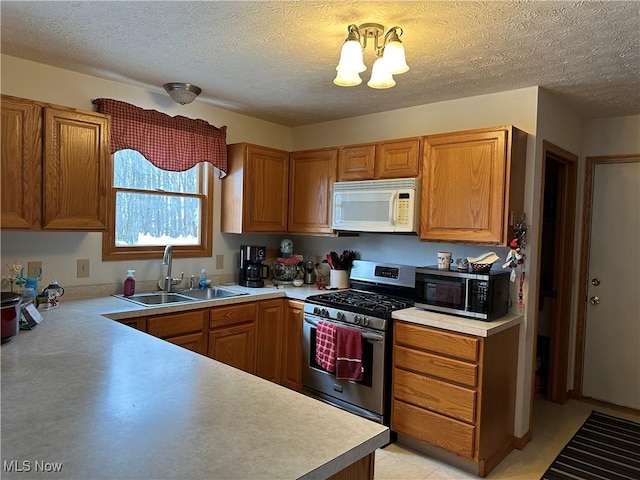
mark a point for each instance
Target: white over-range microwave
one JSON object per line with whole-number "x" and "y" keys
{"x": 377, "y": 205}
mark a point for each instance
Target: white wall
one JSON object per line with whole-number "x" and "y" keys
{"x": 515, "y": 107}
{"x": 612, "y": 136}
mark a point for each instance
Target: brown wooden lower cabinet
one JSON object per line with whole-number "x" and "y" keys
{"x": 263, "y": 338}
{"x": 455, "y": 391}
{"x": 362, "y": 469}
{"x": 292, "y": 348}
{"x": 186, "y": 329}
{"x": 232, "y": 335}
{"x": 269, "y": 329}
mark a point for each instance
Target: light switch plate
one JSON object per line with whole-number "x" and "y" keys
{"x": 219, "y": 262}
{"x": 83, "y": 268}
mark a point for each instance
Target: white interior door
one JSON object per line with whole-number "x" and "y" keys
{"x": 612, "y": 325}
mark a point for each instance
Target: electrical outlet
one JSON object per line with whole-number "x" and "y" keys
{"x": 34, "y": 269}
{"x": 83, "y": 268}
{"x": 219, "y": 262}
{"x": 318, "y": 259}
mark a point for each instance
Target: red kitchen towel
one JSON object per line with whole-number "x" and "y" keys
{"x": 326, "y": 345}
{"x": 348, "y": 354}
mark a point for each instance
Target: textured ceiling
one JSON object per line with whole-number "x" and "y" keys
{"x": 276, "y": 60}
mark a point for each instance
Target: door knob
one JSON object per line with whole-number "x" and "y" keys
{"x": 595, "y": 282}
{"x": 594, "y": 300}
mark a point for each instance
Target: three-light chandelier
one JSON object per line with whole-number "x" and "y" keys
{"x": 390, "y": 59}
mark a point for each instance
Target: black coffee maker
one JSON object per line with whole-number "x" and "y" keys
{"x": 252, "y": 271}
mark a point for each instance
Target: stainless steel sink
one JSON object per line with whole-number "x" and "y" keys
{"x": 212, "y": 293}
{"x": 158, "y": 298}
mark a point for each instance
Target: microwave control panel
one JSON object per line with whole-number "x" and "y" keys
{"x": 404, "y": 204}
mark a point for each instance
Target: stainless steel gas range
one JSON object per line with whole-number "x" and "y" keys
{"x": 377, "y": 290}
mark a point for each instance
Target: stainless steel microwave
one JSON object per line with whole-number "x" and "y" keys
{"x": 482, "y": 296}
{"x": 376, "y": 205}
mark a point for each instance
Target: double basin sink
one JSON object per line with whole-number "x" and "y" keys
{"x": 185, "y": 296}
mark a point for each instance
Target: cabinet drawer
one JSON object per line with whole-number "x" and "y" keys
{"x": 437, "y": 341}
{"x": 232, "y": 315}
{"x": 452, "y": 435}
{"x": 176, "y": 324}
{"x": 451, "y": 400}
{"x": 436, "y": 366}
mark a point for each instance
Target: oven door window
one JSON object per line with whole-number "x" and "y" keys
{"x": 441, "y": 292}
{"x": 367, "y": 359}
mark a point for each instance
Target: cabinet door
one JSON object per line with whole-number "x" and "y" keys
{"x": 21, "y": 177}
{"x": 292, "y": 354}
{"x": 186, "y": 329}
{"x": 266, "y": 193}
{"x": 232, "y": 335}
{"x": 269, "y": 339}
{"x": 356, "y": 162}
{"x": 398, "y": 159}
{"x": 76, "y": 179}
{"x": 234, "y": 346}
{"x": 463, "y": 189}
{"x": 310, "y": 187}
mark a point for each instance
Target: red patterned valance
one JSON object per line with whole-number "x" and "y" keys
{"x": 170, "y": 143}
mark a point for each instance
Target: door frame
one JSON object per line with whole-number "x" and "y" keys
{"x": 585, "y": 248}
{"x": 563, "y": 272}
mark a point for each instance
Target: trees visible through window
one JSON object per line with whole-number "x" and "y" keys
{"x": 152, "y": 207}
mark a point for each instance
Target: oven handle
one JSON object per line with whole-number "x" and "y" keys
{"x": 366, "y": 335}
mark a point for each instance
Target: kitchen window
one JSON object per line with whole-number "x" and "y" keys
{"x": 150, "y": 207}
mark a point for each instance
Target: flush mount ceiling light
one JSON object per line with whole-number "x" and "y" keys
{"x": 182, "y": 93}
{"x": 389, "y": 52}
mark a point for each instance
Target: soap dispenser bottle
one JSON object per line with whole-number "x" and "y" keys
{"x": 203, "y": 279}
{"x": 129, "y": 284}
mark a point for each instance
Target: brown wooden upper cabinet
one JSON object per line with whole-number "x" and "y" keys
{"x": 255, "y": 193}
{"x": 472, "y": 182}
{"x": 392, "y": 159}
{"x": 55, "y": 167}
{"x": 310, "y": 186}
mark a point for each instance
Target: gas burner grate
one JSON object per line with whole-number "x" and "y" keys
{"x": 362, "y": 302}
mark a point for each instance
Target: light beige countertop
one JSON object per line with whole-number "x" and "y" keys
{"x": 456, "y": 324}
{"x": 103, "y": 400}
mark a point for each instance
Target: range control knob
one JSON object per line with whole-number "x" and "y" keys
{"x": 365, "y": 321}
{"x": 316, "y": 310}
{"x": 340, "y": 316}
{"x": 325, "y": 313}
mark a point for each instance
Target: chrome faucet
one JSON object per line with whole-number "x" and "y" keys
{"x": 168, "y": 281}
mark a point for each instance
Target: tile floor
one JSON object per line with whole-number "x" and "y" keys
{"x": 553, "y": 426}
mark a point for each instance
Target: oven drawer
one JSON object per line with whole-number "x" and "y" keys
{"x": 436, "y": 341}
{"x": 451, "y": 400}
{"x": 450, "y": 434}
{"x": 446, "y": 368}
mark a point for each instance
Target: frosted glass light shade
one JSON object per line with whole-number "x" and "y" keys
{"x": 351, "y": 57}
{"x": 380, "y": 75}
{"x": 394, "y": 57}
{"x": 347, "y": 78}
{"x": 182, "y": 93}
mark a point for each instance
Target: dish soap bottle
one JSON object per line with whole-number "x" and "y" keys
{"x": 203, "y": 279}
{"x": 129, "y": 284}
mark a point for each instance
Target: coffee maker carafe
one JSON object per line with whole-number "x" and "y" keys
{"x": 252, "y": 270}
